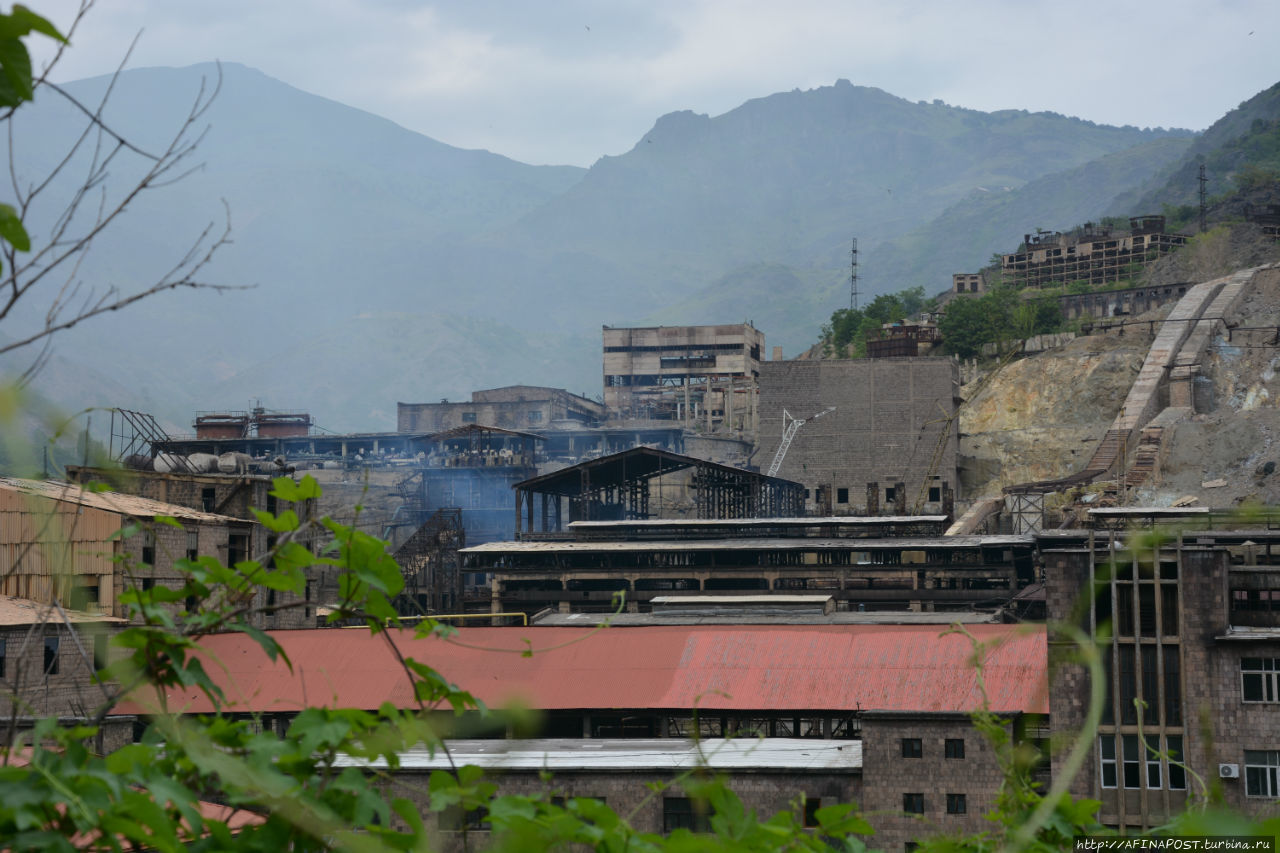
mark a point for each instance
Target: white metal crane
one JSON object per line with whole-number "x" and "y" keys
{"x": 790, "y": 426}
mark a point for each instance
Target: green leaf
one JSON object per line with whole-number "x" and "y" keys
{"x": 287, "y": 490}
{"x": 15, "y": 73}
{"x": 282, "y": 523}
{"x": 22, "y": 21}
{"x": 168, "y": 521}
{"x": 13, "y": 231}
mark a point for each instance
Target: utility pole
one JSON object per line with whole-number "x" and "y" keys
{"x": 853, "y": 278}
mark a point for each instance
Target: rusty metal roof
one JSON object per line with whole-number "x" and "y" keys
{"x": 130, "y": 505}
{"x": 826, "y": 668}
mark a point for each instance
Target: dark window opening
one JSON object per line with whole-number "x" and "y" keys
{"x": 956, "y": 804}
{"x": 842, "y": 496}
{"x": 208, "y": 499}
{"x": 684, "y": 813}
{"x": 954, "y": 747}
{"x": 51, "y": 645}
{"x": 811, "y": 806}
{"x": 913, "y": 803}
{"x": 912, "y": 747}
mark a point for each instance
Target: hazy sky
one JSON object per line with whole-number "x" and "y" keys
{"x": 568, "y": 81}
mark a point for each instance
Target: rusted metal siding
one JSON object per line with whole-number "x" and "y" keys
{"x": 762, "y": 668}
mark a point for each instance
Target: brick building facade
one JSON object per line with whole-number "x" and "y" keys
{"x": 889, "y": 445}
{"x": 217, "y": 518}
{"x": 1190, "y": 647}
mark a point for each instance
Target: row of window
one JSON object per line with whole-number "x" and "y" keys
{"x": 915, "y": 804}
{"x": 1266, "y": 600}
{"x": 890, "y": 494}
{"x": 677, "y": 813}
{"x": 1128, "y": 769}
{"x": 913, "y": 747}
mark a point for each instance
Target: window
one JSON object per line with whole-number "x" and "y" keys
{"x": 1260, "y": 769}
{"x": 208, "y": 499}
{"x": 935, "y": 494}
{"x": 100, "y": 650}
{"x": 842, "y": 496}
{"x": 954, "y": 747}
{"x": 51, "y": 655}
{"x": 3, "y": 670}
{"x": 956, "y": 804}
{"x": 1177, "y": 773}
{"x": 1107, "y": 756}
{"x": 1259, "y": 679}
{"x": 1153, "y": 763}
{"x": 912, "y": 747}
{"x": 913, "y": 803}
{"x": 149, "y": 547}
{"x": 811, "y": 806}
{"x": 1132, "y": 765}
{"x": 684, "y": 813}
{"x": 535, "y": 417}
{"x": 889, "y": 494}
{"x": 193, "y": 545}
{"x": 237, "y": 548}
{"x": 468, "y": 417}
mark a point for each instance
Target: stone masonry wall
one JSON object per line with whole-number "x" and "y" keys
{"x": 887, "y": 776}
{"x": 885, "y": 428}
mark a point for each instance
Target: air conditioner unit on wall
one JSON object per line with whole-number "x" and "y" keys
{"x": 1229, "y": 771}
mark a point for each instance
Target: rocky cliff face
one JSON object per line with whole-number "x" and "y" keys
{"x": 1042, "y": 417}
{"x": 1229, "y": 452}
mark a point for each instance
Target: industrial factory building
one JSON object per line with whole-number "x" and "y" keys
{"x": 701, "y": 376}
{"x": 873, "y": 714}
{"x": 518, "y": 407}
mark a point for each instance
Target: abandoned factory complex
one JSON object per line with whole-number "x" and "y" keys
{"x": 768, "y": 566}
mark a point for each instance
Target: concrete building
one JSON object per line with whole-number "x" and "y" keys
{"x": 889, "y": 444}
{"x": 1188, "y": 626}
{"x": 516, "y": 407}
{"x": 1096, "y": 255}
{"x": 703, "y": 375}
{"x": 967, "y": 282}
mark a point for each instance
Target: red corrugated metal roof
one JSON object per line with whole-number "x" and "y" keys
{"x": 757, "y": 667}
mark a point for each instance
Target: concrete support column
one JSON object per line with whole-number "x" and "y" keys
{"x": 1182, "y": 385}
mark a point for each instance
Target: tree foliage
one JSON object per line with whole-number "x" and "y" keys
{"x": 997, "y": 316}
{"x": 846, "y": 335}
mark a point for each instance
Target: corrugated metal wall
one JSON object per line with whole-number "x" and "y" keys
{"x": 43, "y": 542}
